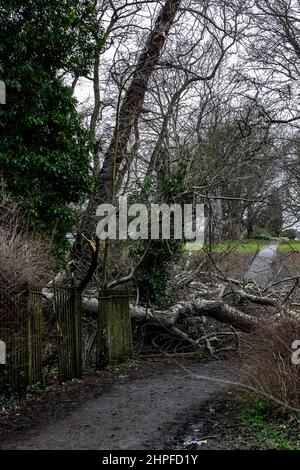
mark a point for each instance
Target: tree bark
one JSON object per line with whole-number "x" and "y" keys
{"x": 218, "y": 310}
{"x": 129, "y": 110}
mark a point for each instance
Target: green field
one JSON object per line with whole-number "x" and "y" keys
{"x": 293, "y": 245}
{"x": 245, "y": 246}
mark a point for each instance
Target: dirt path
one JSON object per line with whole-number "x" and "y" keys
{"x": 140, "y": 412}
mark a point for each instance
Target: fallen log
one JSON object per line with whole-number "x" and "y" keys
{"x": 217, "y": 310}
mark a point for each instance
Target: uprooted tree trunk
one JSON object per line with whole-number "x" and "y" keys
{"x": 130, "y": 108}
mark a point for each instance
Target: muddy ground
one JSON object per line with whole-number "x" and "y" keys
{"x": 154, "y": 407}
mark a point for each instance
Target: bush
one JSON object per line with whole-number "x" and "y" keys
{"x": 154, "y": 272}
{"x": 24, "y": 259}
{"x": 290, "y": 233}
{"x": 262, "y": 234}
{"x": 24, "y": 265}
{"x": 267, "y": 359}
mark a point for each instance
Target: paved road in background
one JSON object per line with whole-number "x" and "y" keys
{"x": 262, "y": 269}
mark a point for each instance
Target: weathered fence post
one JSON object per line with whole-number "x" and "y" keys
{"x": 114, "y": 337}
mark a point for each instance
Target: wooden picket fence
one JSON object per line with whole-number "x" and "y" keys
{"x": 22, "y": 330}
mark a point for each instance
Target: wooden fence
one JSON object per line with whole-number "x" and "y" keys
{"x": 22, "y": 330}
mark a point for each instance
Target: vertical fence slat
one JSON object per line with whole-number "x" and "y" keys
{"x": 35, "y": 338}
{"x": 68, "y": 313}
{"x": 77, "y": 335}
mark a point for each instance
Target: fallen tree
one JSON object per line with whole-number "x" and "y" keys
{"x": 239, "y": 307}
{"x": 218, "y": 310}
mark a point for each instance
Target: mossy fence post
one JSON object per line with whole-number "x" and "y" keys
{"x": 114, "y": 336}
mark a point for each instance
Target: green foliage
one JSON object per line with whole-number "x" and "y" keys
{"x": 290, "y": 233}
{"x": 256, "y": 413}
{"x": 176, "y": 186}
{"x": 261, "y": 427}
{"x": 153, "y": 274}
{"x": 36, "y": 389}
{"x": 44, "y": 150}
{"x": 49, "y": 35}
{"x": 10, "y": 401}
{"x": 263, "y": 234}
{"x": 146, "y": 190}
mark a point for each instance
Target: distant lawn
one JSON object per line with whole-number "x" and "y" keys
{"x": 293, "y": 245}
{"x": 193, "y": 246}
{"x": 245, "y": 246}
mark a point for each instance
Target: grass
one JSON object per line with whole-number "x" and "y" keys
{"x": 240, "y": 247}
{"x": 293, "y": 245}
{"x": 245, "y": 246}
{"x": 261, "y": 428}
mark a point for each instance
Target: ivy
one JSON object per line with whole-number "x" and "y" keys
{"x": 153, "y": 274}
